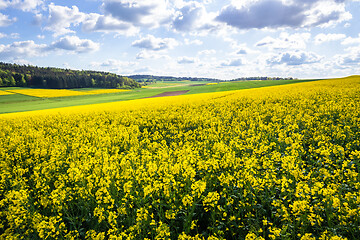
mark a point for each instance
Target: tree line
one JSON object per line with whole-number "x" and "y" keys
{"x": 152, "y": 78}
{"x": 262, "y": 78}
{"x": 12, "y": 75}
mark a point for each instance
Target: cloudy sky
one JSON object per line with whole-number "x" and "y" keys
{"x": 200, "y": 38}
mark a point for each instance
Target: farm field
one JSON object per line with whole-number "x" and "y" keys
{"x": 278, "y": 162}
{"x": 21, "y": 102}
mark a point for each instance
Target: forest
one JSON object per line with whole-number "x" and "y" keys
{"x": 12, "y": 75}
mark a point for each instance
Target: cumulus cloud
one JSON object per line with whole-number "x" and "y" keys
{"x": 351, "y": 40}
{"x": 5, "y": 20}
{"x": 242, "y": 51}
{"x": 321, "y": 38}
{"x": 232, "y": 63}
{"x": 193, "y": 42}
{"x": 24, "y": 5}
{"x": 186, "y": 60}
{"x": 99, "y": 23}
{"x": 75, "y": 44}
{"x": 294, "y": 58}
{"x": 193, "y": 17}
{"x": 62, "y": 18}
{"x": 22, "y": 49}
{"x": 152, "y": 43}
{"x": 145, "y": 13}
{"x": 277, "y": 13}
{"x": 285, "y": 41}
{"x": 350, "y": 59}
{"x": 188, "y": 16}
{"x": 145, "y": 54}
{"x": 37, "y": 19}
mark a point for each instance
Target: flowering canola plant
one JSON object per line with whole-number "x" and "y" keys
{"x": 49, "y": 93}
{"x": 270, "y": 163}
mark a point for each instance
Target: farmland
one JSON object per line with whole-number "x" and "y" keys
{"x": 20, "y": 102}
{"x": 276, "y": 162}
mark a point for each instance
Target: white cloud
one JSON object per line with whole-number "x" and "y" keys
{"x": 320, "y": 38}
{"x": 277, "y": 13}
{"x": 12, "y": 35}
{"x": 152, "y": 43}
{"x": 349, "y": 59}
{"x": 325, "y": 13}
{"x": 37, "y": 19}
{"x": 188, "y": 17}
{"x": 98, "y": 23}
{"x": 207, "y": 52}
{"x": 186, "y": 60}
{"x": 351, "y": 40}
{"x": 24, "y": 5}
{"x": 114, "y": 63}
{"x": 193, "y": 42}
{"x": 285, "y": 41}
{"x": 22, "y": 49}
{"x": 232, "y": 63}
{"x": 293, "y": 58}
{"x": 145, "y": 54}
{"x": 192, "y": 17}
{"x": 145, "y": 13}
{"x": 242, "y": 49}
{"x": 144, "y": 70}
{"x": 62, "y": 18}
{"x": 75, "y": 44}
{"x": 5, "y": 20}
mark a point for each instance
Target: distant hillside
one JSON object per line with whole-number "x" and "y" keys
{"x": 262, "y": 78}
{"x": 32, "y": 76}
{"x": 152, "y": 78}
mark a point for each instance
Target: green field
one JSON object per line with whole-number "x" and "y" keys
{"x": 20, "y": 103}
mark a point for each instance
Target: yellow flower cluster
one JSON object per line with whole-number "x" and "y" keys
{"x": 271, "y": 163}
{"x": 49, "y": 93}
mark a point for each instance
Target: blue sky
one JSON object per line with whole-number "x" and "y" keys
{"x": 198, "y": 38}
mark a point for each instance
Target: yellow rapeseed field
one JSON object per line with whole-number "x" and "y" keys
{"x": 5, "y": 93}
{"x": 270, "y": 163}
{"x": 49, "y": 93}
